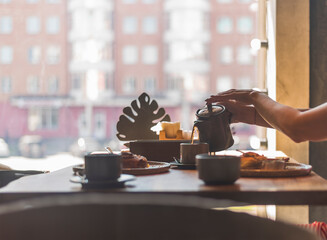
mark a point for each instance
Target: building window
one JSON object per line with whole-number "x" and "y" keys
{"x": 173, "y": 82}
{"x": 245, "y": 1}
{"x": 130, "y": 25}
{"x": 76, "y": 79}
{"x": 244, "y": 82}
{"x": 53, "y": 1}
{"x": 149, "y": 1}
{"x": 129, "y": 85}
{"x": 100, "y": 125}
{"x": 53, "y": 55}
{"x": 129, "y": 1}
{"x": 53, "y": 84}
{"x": 150, "y": 55}
{"x": 33, "y": 84}
{"x": 150, "y": 25}
{"x": 53, "y": 25}
{"x": 32, "y": 1}
{"x": 224, "y": 1}
{"x": 150, "y": 84}
{"x": 34, "y": 54}
{"x": 43, "y": 119}
{"x": 224, "y": 83}
{"x": 226, "y": 55}
{"x": 33, "y": 25}
{"x": 244, "y": 56}
{"x": 245, "y": 25}
{"x": 182, "y": 51}
{"x": 5, "y": 1}
{"x": 224, "y": 25}
{"x": 6, "y": 84}
{"x": 5, "y": 25}
{"x": 6, "y": 55}
{"x": 130, "y": 55}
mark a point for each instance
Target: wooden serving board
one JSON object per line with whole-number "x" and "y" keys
{"x": 291, "y": 170}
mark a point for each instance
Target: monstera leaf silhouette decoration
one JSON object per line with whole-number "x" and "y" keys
{"x": 139, "y": 118}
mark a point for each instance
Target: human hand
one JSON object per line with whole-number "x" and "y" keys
{"x": 240, "y": 112}
{"x": 242, "y": 96}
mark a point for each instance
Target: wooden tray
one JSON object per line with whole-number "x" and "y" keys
{"x": 154, "y": 168}
{"x": 291, "y": 170}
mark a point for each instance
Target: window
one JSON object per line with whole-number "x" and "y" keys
{"x": 6, "y": 84}
{"x": 245, "y": 1}
{"x": 53, "y": 25}
{"x": 150, "y": 55}
{"x": 5, "y": 1}
{"x": 34, "y": 55}
{"x": 245, "y": 25}
{"x": 150, "y": 84}
{"x": 244, "y": 56}
{"x": 149, "y": 1}
{"x": 244, "y": 82}
{"x": 76, "y": 80}
{"x": 6, "y": 55}
{"x": 130, "y": 25}
{"x": 129, "y": 1}
{"x": 224, "y": 25}
{"x": 33, "y": 25}
{"x": 226, "y": 55}
{"x": 224, "y": 1}
{"x": 130, "y": 55}
{"x": 188, "y": 50}
{"x": 53, "y": 55}
{"x": 32, "y": 1}
{"x": 129, "y": 85}
{"x": 224, "y": 83}
{"x": 43, "y": 119}
{"x": 173, "y": 82}
{"x": 100, "y": 125}
{"x": 5, "y": 25}
{"x": 33, "y": 84}
{"x": 149, "y": 25}
{"x": 53, "y": 1}
{"x": 53, "y": 84}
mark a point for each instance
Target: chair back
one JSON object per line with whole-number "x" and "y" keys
{"x": 127, "y": 216}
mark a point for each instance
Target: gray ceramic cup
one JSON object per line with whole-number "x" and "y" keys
{"x": 188, "y": 151}
{"x": 218, "y": 169}
{"x": 102, "y": 167}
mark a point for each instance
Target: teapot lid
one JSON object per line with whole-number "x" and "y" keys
{"x": 210, "y": 110}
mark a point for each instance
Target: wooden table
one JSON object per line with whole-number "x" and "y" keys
{"x": 308, "y": 190}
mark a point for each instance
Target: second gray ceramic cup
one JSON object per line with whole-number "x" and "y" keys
{"x": 102, "y": 167}
{"x": 218, "y": 169}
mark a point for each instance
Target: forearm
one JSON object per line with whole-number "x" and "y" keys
{"x": 299, "y": 124}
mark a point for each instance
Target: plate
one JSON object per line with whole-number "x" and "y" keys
{"x": 183, "y": 166}
{"x": 291, "y": 170}
{"x": 102, "y": 184}
{"x": 154, "y": 168}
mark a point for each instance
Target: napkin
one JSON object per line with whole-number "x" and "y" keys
{"x": 320, "y": 228}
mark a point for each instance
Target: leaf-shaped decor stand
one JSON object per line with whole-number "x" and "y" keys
{"x": 138, "y": 126}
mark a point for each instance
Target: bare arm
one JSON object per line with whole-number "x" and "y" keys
{"x": 299, "y": 125}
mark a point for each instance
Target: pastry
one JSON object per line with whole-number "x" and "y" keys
{"x": 130, "y": 160}
{"x": 251, "y": 160}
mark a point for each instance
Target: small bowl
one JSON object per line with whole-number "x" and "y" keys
{"x": 218, "y": 169}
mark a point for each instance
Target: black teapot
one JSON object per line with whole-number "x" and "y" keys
{"x": 213, "y": 125}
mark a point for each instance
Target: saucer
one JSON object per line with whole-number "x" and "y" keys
{"x": 118, "y": 183}
{"x": 180, "y": 165}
